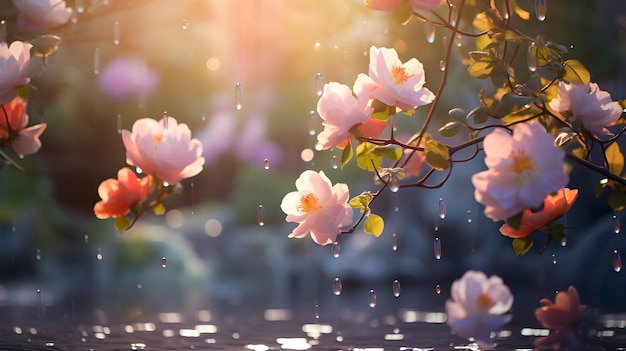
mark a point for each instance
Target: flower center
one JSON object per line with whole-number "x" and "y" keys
{"x": 399, "y": 74}
{"x": 484, "y": 302}
{"x": 521, "y": 162}
{"x": 157, "y": 138}
{"x": 308, "y": 203}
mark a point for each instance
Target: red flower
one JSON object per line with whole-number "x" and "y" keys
{"x": 118, "y": 195}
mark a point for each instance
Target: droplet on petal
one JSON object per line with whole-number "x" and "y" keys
{"x": 238, "y": 97}
{"x": 337, "y": 286}
{"x": 442, "y": 209}
{"x": 266, "y": 164}
{"x": 335, "y": 162}
{"x": 336, "y": 250}
{"x": 396, "y": 288}
{"x": 437, "y": 247}
{"x": 371, "y": 298}
{"x": 540, "y": 9}
{"x": 319, "y": 84}
{"x": 261, "y": 215}
{"x": 116, "y": 33}
{"x": 616, "y": 225}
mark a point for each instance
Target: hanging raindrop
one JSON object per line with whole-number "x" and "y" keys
{"x": 99, "y": 254}
{"x": 442, "y": 209}
{"x": 163, "y": 262}
{"x": 616, "y": 225}
{"x": 80, "y": 6}
{"x": 438, "y": 289}
{"x": 617, "y": 261}
{"x": 394, "y": 183}
{"x": 442, "y": 65}
{"x": 3, "y": 31}
{"x": 337, "y": 286}
{"x": 86, "y": 238}
{"x": 119, "y": 123}
{"x": 335, "y": 162}
{"x": 540, "y": 9}
{"x": 531, "y": 57}
{"x": 371, "y": 298}
{"x": 116, "y": 33}
{"x": 553, "y": 259}
{"x": 96, "y": 61}
{"x": 185, "y": 24}
{"x": 312, "y": 117}
{"x": 429, "y": 27}
{"x": 394, "y": 242}
{"x": 261, "y": 215}
{"x": 396, "y": 288}
{"x": 564, "y": 241}
{"x": 336, "y": 250}
{"x": 238, "y": 97}
{"x": 436, "y": 224}
{"x": 38, "y": 255}
{"x": 317, "y": 311}
{"x": 437, "y": 248}
{"x": 319, "y": 84}
{"x": 165, "y": 120}
{"x": 266, "y": 164}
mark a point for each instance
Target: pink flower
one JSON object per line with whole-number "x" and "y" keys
{"x": 14, "y": 60}
{"x": 561, "y": 317}
{"x": 588, "y": 104}
{"x": 127, "y": 77}
{"x": 340, "y": 111}
{"x": 478, "y": 305}
{"x": 392, "y": 82}
{"x": 163, "y": 149}
{"x": 554, "y": 206}
{"x": 523, "y": 169}
{"x": 390, "y": 5}
{"x": 118, "y": 195}
{"x": 318, "y": 207}
{"x": 24, "y": 140}
{"x": 42, "y": 14}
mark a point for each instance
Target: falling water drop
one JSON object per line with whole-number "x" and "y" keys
{"x": 116, "y": 33}
{"x": 394, "y": 242}
{"x": 429, "y": 27}
{"x": 38, "y": 255}
{"x": 99, "y": 254}
{"x": 371, "y": 298}
{"x": 337, "y": 286}
{"x": 319, "y": 84}
{"x": 317, "y": 44}
{"x": 540, "y": 9}
{"x": 442, "y": 65}
{"x": 3, "y": 31}
{"x": 96, "y": 61}
{"x": 564, "y": 241}
{"x": 261, "y": 215}
{"x": 80, "y": 6}
{"x": 437, "y": 247}
{"x": 266, "y": 164}
{"x": 317, "y": 311}
{"x": 396, "y": 288}
{"x": 312, "y": 119}
{"x": 163, "y": 262}
{"x": 442, "y": 209}
{"x": 119, "y": 123}
{"x": 616, "y": 225}
{"x": 86, "y": 238}
{"x": 617, "y": 261}
{"x": 335, "y": 162}
{"x": 238, "y": 96}
{"x": 185, "y": 24}
{"x": 336, "y": 250}
{"x": 165, "y": 120}
{"x": 553, "y": 259}
{"x": 394, "y": 183}
{"x": 436, "y": 224}
{"x": 531, "y": 57}
{"x": 468, "y": 216}
{"x": 438, "y": 289}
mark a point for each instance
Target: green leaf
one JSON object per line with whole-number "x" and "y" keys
{"x": 403, "y": 13}
{"x": 515, "y": 221}
{"x": 361, "y": 201}
{"x": 482, "y": 64}
{"x": 521, "y": 246}
{"x": 346, "y": 155}
{"x": 23, "y": 91}
{"x": 615, "y": 159}
{"x": 382, "y": 115}
{"x": 45, "y": 45}
{"x": 564, "y": 138}
{"x": 576, "y": 72}
{"x": 392, "y": 152}
{"x": 122, "y": 223}
{"x": 437, "y": 155}
{"x": 617, "y": 201}
{"x": 458, "y": 114}
{"x": 512, "y": 103}
{"x": 367, "y": 158}
{"x": 557, "y": 47}
{"x": 451, "y": 129}
{"x": 479, "y": 114}
{"x": 374, "y": 224}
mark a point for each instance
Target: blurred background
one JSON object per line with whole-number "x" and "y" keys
{"x": 186, "y": 58}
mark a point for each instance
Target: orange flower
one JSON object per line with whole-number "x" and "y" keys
{"x": 24, "y": 140}
{"x": 554, "y": 206}
{"x": 118, "y": 195}
{"x": 561, "y": 317}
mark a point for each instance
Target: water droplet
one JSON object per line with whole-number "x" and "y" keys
{"x": 436, "y": 224}
{"x": 438, "y": 289}
{"x": 617, "y": 261}
{"x": 468, "y": 216}
{"x": 3, "y": 31}
{"x": 185, "y": 24}
{"x": 442, "y": 209}
{"x": 80, "y": 6}
{"x": 203, "y": 117}
{"x": 319, "y": 84}
{"x": 317, "y": 44}
{"x": 99, "y": 254}
{"x": 442, "y": 65}
{"x": 396, "y": 288}
{"x": 266, "y": 164}
{"x": 337, "y": 286}
{"x": 119, "y": 123}
{"x": 317, "y": 311}
{"x": 38, "y": 255}
{"x": 429, "y": 28}
{"x": 371, "y": 298}
{"x": 86, "y": 237}
{"x": 319, "y": 147}
{"x": 96, "y": 61}
{"x": 165, "y": 120}
{"x": 261, "y": 215}
{"x": 394, "y": 242}
{"x": 335, "y": 162}
{"x": 163, "y": 262}
{"x": 616, "y": 225}
{"x": 553, "y": 259}
{"x": 437, "y": 247}
{"x": 540, "y": 9}
{"x": 531, "y": 57}
{"x": 336, "y": 250}
{"x": 238, "y": 97}
{"x": 312, "y": 118}
{"x": 394, "y": 183}
{"x": 116, "y": 33}
{"x": 564, "y": 241}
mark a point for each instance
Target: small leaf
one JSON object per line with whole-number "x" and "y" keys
{"x": 615, "y": 159}
{"x": 367, "y": 158}
{"x": 557, "y": 47}
{"x": 617, "y": 201}
{"x": 515, "y": 221}
{"x": 522, "y": 245}
{"x": 479, "y": 115}
{"x": 45, "y": 45}
{"x": 23, "y": 91}
{"x": 481, "y": 66}
{"x": 159, "y": 209}
{"x": 512, "y": 103}
{"x": 122, "y": 223}
{"x": 346, "y": 155}
{"x": 361, "y": 201}
{"x": 564, "y": 138}
{"x": 437, "y": 155}
{"x": 576, "y": 72}
{"x": 451, "y": 129}
{"x": 458, "y": 114}
{"x": 374, "y": 224}
{"x": 520, "y": 12}
{"x": 392, "y": 152}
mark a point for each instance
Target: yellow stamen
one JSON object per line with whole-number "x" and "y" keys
{"x": 157, "y": 138}
{"x": 521, "y": 162}
{"x": 484, "y": 302}
{"x": 308, "y": 203}
{"x": 399, "y": 74}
